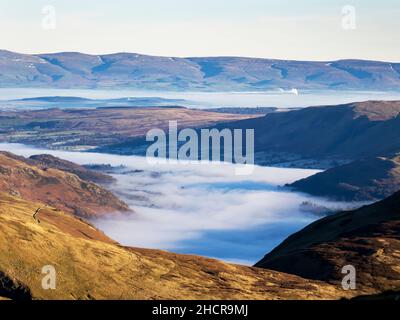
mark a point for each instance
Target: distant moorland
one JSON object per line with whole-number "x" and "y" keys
{"x": 136, "y": 71}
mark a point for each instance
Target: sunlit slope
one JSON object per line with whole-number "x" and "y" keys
{"x": 60, "y": 189}
{"x": 91, "y": 266}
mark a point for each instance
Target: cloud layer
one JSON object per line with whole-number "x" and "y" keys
{"x": 200, "y": 208}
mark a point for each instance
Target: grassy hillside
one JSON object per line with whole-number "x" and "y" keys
{"x": 91, "y": 266}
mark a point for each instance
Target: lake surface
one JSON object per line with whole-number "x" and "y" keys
{"x": 204, "y": 209}
{"x": 276, "y": 98}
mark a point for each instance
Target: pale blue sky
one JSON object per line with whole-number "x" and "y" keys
{"x": 304, "y": 30}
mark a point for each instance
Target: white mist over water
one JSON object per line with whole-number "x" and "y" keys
{"x": 271, "y": 98}
{"x": 199, "y": 208}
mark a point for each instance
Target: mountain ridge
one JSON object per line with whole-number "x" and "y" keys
{"x": 132, "y": 70}
{"x": 191, "y": 57}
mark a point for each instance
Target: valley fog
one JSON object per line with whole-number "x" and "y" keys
{"x": 274, "y": 98}
{"x": 203, "y": 208}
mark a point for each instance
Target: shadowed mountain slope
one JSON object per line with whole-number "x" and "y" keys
{"x": 344, "y": 132}
{"x": 361, "y": 180}
{"x": 367, "y": 238}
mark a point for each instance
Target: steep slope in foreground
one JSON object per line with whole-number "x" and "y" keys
{"x": 91, "y": 266}
{"x": 367, "y": 179}
{"x": 343, "y": 132}
{"x": 367, "y": 238}
{"x": 60, "y": 189}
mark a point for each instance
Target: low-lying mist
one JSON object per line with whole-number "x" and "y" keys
{"x": 200, "y": 208}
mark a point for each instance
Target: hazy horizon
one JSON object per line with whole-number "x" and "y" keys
{"x": 194, "y": 56}
{"x": 270, "y": 29}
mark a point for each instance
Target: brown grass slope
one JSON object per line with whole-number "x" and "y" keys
{"x": 91, "y": 266}
{"x": 367, "y": 238}
{"x": 56, "y": 188}
{"x": 361, "y": 180}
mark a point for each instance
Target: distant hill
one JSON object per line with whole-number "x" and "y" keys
{"x": 131, "y": 70}
{"x": 341, "y": 132}
{"x": 301, "y": 138}
{"x": 367, "y": 238}
{"x": 367, "y": 179}
{"x": 82, "y": 103}
{"x": 314, "y": 137}
{"x": 89, "y": 127}
{"x": 241, "y": 110}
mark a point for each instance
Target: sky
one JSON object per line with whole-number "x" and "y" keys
{"x": 281, "y": 29}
